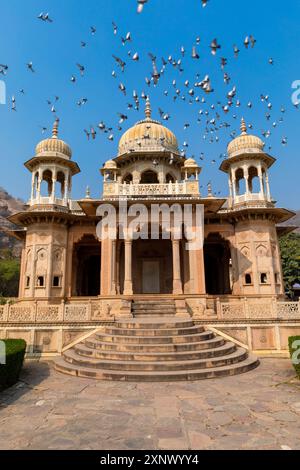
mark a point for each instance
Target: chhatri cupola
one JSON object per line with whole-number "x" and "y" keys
{"x": 52, "y": 170}
{"x": 149, "y": 163}
{"x": 247, "y": 168}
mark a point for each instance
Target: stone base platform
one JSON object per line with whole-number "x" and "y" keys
{"x": 155, "y": 350}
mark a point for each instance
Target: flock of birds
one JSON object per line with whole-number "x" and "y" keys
{"x": 214, "y": 117}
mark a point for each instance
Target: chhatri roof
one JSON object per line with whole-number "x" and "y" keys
{"x": 244, "y": 142}
{"x": 54, "y": 145}
{"x": 148, "y": 135}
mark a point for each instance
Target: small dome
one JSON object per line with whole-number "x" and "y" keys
{"x": 190, "y": 163}
{"x": 54, "y": 145}
{"x": 244, "y": 142}
{"x": 148, "y": 135}
{"x": 110, "y": 165}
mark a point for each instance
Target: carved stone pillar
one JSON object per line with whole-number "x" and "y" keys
{"x": 114, "y": 268}
{"x": 260, "y": 176}
{"x": 246, "y": 177}
{"x": 177, "y": 283}
{"x": 268, "y": 187}
{"x": 128, "y": 289}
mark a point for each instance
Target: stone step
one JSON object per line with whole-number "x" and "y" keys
{"x": 237, "y": 356}
{"x": 156, "y": 323}
{"x": 157, "y": 376}
{"x": 84, "y": 351}
{"x": 120, "y": 339}
{"x": 153, "y": 331}
{"x": 153, "y": 301}
{"x": 154, "y": 347}
{"x": 152, "y": 306}
{"x": 157, "y": 314}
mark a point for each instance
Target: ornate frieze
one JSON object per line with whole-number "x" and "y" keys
{"x": 21, "y": 314}
{"x": 48, "y": 314}
{"x": 74, "y": 313}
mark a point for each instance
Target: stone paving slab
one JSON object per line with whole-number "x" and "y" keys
{"x": 256, "y": 410}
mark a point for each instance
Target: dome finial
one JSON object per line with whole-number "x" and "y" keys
{"x": 88, "y": 193}
{"x": 148, "y": 108}
{"x": 243, "y": 127}
{"x": 55, "y": 129}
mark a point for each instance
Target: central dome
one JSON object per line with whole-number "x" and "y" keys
{"x": 148, "y": 135}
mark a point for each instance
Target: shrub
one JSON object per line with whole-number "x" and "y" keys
{"x": 9, "y": 372}
{"x": 294, "y": 347}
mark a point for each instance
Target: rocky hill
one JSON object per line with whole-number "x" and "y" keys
{"x": 8, "y": 206}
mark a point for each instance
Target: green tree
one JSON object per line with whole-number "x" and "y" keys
{"x": 290, "y": 254}
{"x": 9, "y": 276}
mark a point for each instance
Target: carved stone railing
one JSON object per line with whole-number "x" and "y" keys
{"x": 80, "y": 312}
{"x": 168, "y": 189}
{"x": 70, "y": 312}
{"x": 264, "y": 309}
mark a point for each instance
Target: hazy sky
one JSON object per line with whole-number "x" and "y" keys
{"x": 163, "y": 27}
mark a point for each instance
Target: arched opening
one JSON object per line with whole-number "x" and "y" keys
{"x": 47, "y": 184}
{"x": 86, "y": 267}
{"x": 240, "y": 182}
{"x": 170, "y": 178}
{"x": 217, "y": 258}
{"x": 35, "y": 184}
{"x": 128, "y": 178}
{"x": 61, "y": 180}
{"x": 149, "y": 177}
{"x": 254, "y": 184}
{"x": 110, "y": 176}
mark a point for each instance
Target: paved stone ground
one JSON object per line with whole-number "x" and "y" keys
{"x": 257, "y": 410}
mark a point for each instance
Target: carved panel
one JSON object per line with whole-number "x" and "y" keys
{"x": 21, "y": 314}
{"x": 288, "y": 310}
{"x": 2, "y": 313}
{"x": 261, "y": 250}
{"x": 231, "y": 311}
{"x": 240, "y": 334}
{"x": 28, "y": 262}
{"x": 258, "y": 311}
{"x": 96, "y": 310}
{"x": 76, "y": 313}
{"x": 263, "y": 338}
{"x": 58, "y": 261}
{"x": 48, "y": 314}
{"x": 46, "y": 341}
{"x": 42, "y": 261}
{"x": 71, "y": 335}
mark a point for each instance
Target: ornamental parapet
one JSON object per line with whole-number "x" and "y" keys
{"x": 175, "y": 189}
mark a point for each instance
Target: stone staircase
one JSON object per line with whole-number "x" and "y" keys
{"x": 155, "y": 308}
{"x": 155, "y": 350}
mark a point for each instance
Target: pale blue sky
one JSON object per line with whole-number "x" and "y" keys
{"x": 163, "y": 27}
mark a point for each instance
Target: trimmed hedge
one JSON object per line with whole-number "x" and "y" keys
{"x": 293, "y": 352}
{"x": 9, "y": 372}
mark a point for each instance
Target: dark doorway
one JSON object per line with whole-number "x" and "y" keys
{"x": 87, "y": 267}
{"x": 149, "y": 177}
{"x": 217, "y": 265}
{"x": 152, "y": 267}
